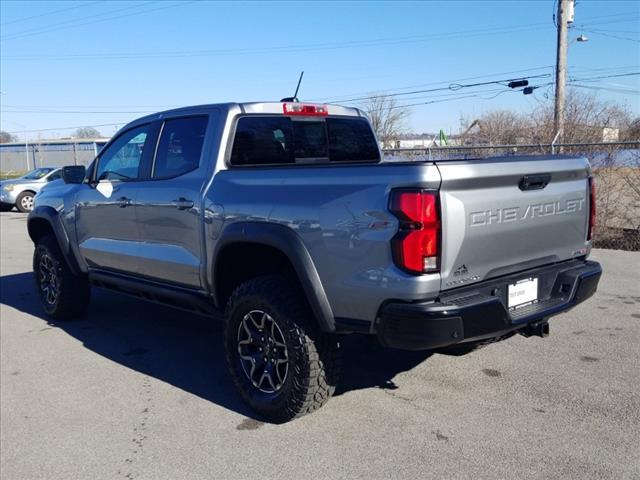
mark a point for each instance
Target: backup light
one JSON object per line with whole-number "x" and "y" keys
{"x": 305, "y": 109}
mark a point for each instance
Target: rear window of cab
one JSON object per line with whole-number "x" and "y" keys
{"x": 281, "y": 140}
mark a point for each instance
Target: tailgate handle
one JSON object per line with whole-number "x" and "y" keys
{"x": 534, "y": 182}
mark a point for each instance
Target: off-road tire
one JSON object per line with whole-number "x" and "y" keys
{"x": 72, "y": 292}
{"x": 313, "y": 355}
{"x": 21, "y": 198}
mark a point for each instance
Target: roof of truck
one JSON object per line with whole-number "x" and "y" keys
{"x": 274, "y": 108}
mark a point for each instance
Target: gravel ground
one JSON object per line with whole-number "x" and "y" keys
{"x": 140, "y": 391}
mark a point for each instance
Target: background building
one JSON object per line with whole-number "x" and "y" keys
{"x": 25, "y": 156}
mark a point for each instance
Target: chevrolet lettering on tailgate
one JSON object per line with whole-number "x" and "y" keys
{"x": 514, "y": 214}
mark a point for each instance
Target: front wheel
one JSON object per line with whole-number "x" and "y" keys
{"x": 24, "y": 202}
{"x": 280, "y": 362}
{"x": 63, "y": 295}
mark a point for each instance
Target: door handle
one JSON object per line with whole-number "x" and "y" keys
{"x": 124, "y": 202}
{"x": 534, "y": 182}
{"x": 183, "y": 204}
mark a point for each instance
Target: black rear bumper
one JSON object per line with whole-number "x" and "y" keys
{"x": 478, "y": 312}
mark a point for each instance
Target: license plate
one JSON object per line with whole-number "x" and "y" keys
{"x": 522, "y": 293}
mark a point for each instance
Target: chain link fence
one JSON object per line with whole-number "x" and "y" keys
{"x": 22, "y": 157}
{"x": 616, "y": 167}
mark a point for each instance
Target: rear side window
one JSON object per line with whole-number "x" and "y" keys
{"x": 276, "y": 140}
{"x": 180, "y": 147}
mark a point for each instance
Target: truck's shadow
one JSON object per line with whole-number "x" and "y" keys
{"x": 186, "y": 350}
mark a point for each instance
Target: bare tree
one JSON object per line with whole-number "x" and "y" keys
{"x": 499, "y": 127}
{"x": 632, "y": 132}
{"x": 387, "y": 118}
{"x": 6, "y": 137}
{"x": 86, "y": 132}
{"x": 586, "y": 118}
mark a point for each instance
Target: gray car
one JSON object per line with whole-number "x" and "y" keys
{"x": 20, "y": 192}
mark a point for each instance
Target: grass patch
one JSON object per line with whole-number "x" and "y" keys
{"x": 8, "y": 175}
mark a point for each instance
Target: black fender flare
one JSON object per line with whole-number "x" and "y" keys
{"x": 52, "y": 217}
{"x": 292, "y": 246}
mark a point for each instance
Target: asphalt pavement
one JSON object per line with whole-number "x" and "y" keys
{"x": 139, "y": 391}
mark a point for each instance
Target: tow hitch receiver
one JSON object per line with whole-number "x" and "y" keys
{"x": 539, "y": 329}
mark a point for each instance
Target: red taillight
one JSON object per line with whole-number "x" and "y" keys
{"x": 307, "y": 110}
{"x": 417, "y": 244}
{"x": 592, "y": 208}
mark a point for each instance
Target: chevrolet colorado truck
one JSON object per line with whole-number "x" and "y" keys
{"x": 283, "y": 219}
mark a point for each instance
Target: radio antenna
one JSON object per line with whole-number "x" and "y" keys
{"x": 295, "y": 95}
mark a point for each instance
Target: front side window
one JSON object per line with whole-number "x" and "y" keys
{"x": 180, "y": 147}
{"x": 121, "y": 160}
{"x": 54, "y": 176}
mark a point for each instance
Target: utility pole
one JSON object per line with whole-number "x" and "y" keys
{"x": 563, "y": 19}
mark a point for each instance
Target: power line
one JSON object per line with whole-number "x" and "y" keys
{"x": 450, "y": 97}
{"x": 294, "y": 48}
{"x": 607, "y": 69}
{"x": 38, "y": 32}
{"x": 487, "y": 83}
{"x": 340, "y": 97}
{"x": 300, "y": 48}
{"x": 451, "y": 87}
{"x": 461, "y": 97}
{"x": 612, "y": 36}
{"x": 92, "y": 106}
{"x": 74, "y": 111}
{"x": 24, "y": 19}
{"x": 631, "y": 74}
{"x": 608, "y": 89}
{"x": 632, "y": 17}
{"x": 478, "y": 94}
{"x": 68, "y": 128}
{"x": 634, "y": 32}
{"x": 70, "y": 22}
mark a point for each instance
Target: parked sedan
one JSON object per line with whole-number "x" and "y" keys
{"x": 19, "y": 192}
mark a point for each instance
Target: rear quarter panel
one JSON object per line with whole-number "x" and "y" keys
{"x": 341, "y": 214}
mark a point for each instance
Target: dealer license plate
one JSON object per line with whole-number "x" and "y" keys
{"x": 522, "y": 293}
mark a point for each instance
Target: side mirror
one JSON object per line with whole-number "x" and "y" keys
{"x": 74, "y": 174}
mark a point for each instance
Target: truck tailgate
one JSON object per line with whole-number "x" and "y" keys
{"x": 504, "y": 215}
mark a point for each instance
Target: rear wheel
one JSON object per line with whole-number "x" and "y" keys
{"x": 63, "y": 295}
{"x": 24, "y": 202}
{"x": 281, "y": 363}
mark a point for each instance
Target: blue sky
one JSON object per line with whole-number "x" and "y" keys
{"x": 66, "y": 64}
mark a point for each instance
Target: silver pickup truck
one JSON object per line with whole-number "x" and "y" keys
{"x": 283, "y": 219}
